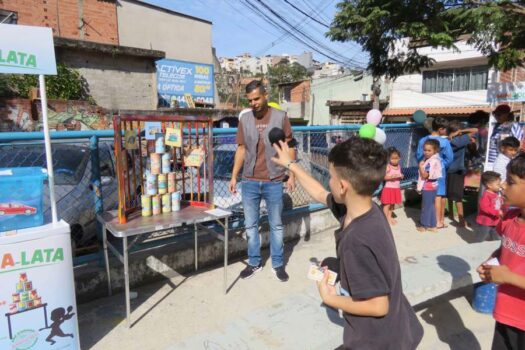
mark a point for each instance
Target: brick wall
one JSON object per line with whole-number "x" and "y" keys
{"x": 300, "y": 92}
{"x": 517, "y": 74}
{"x": 91, "y": 20}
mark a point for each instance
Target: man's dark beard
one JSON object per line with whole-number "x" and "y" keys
{"x": 261, "y": 113}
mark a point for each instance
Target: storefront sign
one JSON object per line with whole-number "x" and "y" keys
{"x": 177, "y": 78}
{"x": 27, "y": 50}
{"x": 506, "y": 92}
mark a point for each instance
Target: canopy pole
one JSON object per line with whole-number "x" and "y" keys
{"x": 47, "y": 142}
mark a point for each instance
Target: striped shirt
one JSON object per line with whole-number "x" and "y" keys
{"x": 500, "y": 132}
{"x": 500, "y": 166}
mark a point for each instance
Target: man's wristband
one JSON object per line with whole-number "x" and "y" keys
{"x": 287, "y": 166}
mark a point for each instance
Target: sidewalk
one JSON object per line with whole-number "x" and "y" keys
{"x": 192, "y": 312}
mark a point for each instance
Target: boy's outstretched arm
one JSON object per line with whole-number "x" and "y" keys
{"x": 503, "y": 275}
{"x": 310, "y": 185}
{"x": 374, "y": 307}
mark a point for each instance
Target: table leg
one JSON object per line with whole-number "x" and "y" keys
{"x": 126, "y": 279}
{"x": 9, "y": 326}
{"x": 106, "y": 258}
{"x": 225, "y": 254}
{"x": 45, "y": 315}
{"x": 195, "y": 234}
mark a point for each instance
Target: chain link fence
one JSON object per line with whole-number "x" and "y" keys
{"x": 73, "y": 162}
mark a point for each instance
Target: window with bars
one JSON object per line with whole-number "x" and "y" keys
{"x": 8, "y": 17}
{"x": 457, "y": 79}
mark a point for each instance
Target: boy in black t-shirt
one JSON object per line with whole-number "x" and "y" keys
{"x": 377, "y": 314}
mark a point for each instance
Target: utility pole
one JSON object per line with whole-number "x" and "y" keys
{"x": 376, "y": 90}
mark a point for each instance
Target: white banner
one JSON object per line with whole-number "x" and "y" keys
{"x": 506, "y": 92}
{"x": 27, "y": 50}
{"x": 37, "y": 294}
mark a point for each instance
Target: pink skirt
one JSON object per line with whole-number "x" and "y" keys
{"x": 391, "y": 196}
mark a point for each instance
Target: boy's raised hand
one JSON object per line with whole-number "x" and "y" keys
{"x": 283, "y": 154}
{"x": 497, "y": 274}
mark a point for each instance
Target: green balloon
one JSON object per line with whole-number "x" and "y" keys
{"x": 419, "y": 116}
{"x": 367, "y": 131}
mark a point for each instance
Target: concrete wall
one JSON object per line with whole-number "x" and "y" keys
{"x": 115, "y": 82}
{"x": 90, "y": 20}
{"x": 148, "y": 27}
{"x": 338, "y": 88}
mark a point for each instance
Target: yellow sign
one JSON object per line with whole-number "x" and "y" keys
{"x": 194, "y": 157}
{"x": 131, "y": 139}
{"x": 173, "y": 137}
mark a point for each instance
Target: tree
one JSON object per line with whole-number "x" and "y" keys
{"x": 284, "y": 73}
{"x": 495, "y": 28}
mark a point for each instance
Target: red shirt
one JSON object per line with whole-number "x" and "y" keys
{"x": 510, "y": 300}
{"x": 489, "y": 207}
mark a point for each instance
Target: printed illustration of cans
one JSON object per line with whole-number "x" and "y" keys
{"x": 37, "y": 302}
{"x": 159, "y": 143}
{"x": 155, "y": 161}
{"x": 166, "y": 163}
{"x": 16, "y": 297}
{"x": 171, "y": 182}
{"x": 166, "y": 203}
{"x": 175, "y": 201}
{"x": 163, "y": 183}
{"x": 33, "y": 294}
{"x": 146, "y": 205}
{"x": 151, "y": 184}
{"x": 28, "y": 286}
{"x": 21, "y": 306}
{"x": 155, "y": 205}
{"x": 12, "y": 308}
{"x": 24, "y": 296}
{"x": 23, "y": 277}
{"x": 30, "y": 304}
{"x": 20, "y": 287}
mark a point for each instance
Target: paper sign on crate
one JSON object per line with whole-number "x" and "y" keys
{"x": 194, "y": 157}
{"x": 173, "y": 137}
{"x": 151, "y": 129}
{"x": 131, "y": 140}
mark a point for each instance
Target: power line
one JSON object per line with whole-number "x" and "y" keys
{"x": 306, "y": 14}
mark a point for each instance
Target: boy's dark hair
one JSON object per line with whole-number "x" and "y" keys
{"x": 362, "y": 162}
{"x": 479, "y": 117}
{"x": 439, "y": 123}
{"x": 489, "y": 176}
{"x": 393, "y": 150}
{"x": 510, "y": 142}
{"x": 453, "y": 126}
{"x": 254, "y": 85}
{"x": 434, "y": 143}
{"x": 517, "y": 166}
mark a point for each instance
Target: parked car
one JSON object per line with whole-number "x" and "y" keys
{"x": 73, "y": 189}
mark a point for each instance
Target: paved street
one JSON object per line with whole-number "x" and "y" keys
{"x": 191, "y": 312}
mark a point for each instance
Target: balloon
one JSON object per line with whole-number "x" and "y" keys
{"x": 275, "y": 105}
{"x": 373, "y": 117}
{"x": 419, "y": 116}
{"x": 428, "y": 124}
{"x": 367, "y": 131}
{"x": 380, "y": 136}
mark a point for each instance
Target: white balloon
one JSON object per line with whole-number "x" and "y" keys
{"x": 380, "y": 136}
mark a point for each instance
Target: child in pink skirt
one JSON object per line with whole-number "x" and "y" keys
{"x": 391, "y": 194}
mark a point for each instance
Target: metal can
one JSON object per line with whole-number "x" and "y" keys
{"x": 16, "y": 297}
{"x": 23, "y": 277}
{"x": 28, "y": 286}
{"x": 37, "y": 301}
{"x": 12, "y": 308}
{"x": 20, "y": 287}
{"x": 166, "y": 203}
{"x": 30, "y": 304}
{"x": 151, "y": 184}
{"x": 171, "y": 182}
{"x": 22, "y": 305}
{"x": 155, "y": 205}
{"x": 163, "y": 183}
{"x": 146, "y": 205}
{"x": 166, "y": 163}
{"x": 175, "y": 201}
{"x": 159, "y": 143}
{"x": 24, "y": 296}
{"x": 33, "y": 294}
{"x": 155, "y": 163}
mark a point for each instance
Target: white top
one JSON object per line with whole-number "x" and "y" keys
{"x": 500, "y": 166}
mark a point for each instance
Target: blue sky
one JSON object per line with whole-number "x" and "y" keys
{"x": 236, "y": 29}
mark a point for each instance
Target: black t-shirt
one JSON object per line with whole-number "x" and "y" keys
{"x": 369, "y": 267}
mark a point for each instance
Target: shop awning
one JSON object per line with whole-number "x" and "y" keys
{"x": 434, "y": 111}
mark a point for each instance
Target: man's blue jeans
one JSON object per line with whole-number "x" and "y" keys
{"x": 272, "y": 193}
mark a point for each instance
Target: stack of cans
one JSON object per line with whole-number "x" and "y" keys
{"x": 25, "y": 297}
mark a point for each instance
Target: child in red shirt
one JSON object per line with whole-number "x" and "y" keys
{"x": 510, "y": 274}
{"x": 489, "y": 212}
